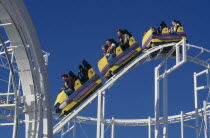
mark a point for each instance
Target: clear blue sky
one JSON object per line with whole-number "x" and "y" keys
{"x": 74, "y": 30}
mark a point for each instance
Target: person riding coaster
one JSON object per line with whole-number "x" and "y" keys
{"x": 123, "y": 54}
{"x": 163, "y": 35}
{"x": 87, "y": 82}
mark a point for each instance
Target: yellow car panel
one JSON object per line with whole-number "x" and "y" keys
{"x": 61, "y": 97}
{"x": 91, "y": 73}
{"x": 77, "y": 85}
{"x": 102, "y": 63}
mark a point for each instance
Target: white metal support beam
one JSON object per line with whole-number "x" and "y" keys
{"x": 98, "y": 131}
{"x": 165, "y": 104}
{"x": 149, "y": 128}
{"x": 205, "y": 120}
{"x": 102, "y": 113}
{"x": 74, "y": 131}
{"x": 157, "y": 103}
{"x": 100, "y": 116}
{"x": 182, "y": 124}
{"x": 10, "y": 76}
{"x": 179, "y": 55}
{"x": 113, "y": 130}
{"x": 196, "y": 90}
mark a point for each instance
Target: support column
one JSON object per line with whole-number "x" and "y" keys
{"x": 112, "y": 135}
{"x": 182, "y": 124}
{"x": 10, "y": 77}
{"x": 102, "y": 114}
{"x": 165, "y": 103}
{"x": 62, "y": 131}
{"x": 157, "y": 103}
{"x": 196, "y": 106}
{"x": 205, "y": 120}
{"x": 74, "y": 130}
{"x": 99, "y": 117}
{"x": 149, "y": 127}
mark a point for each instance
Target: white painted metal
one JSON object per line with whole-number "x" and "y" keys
{"x": 7, "y": 94}
{"x": 142, "y": 122}
{"x": 149, "y": 128}
{"x": 113, "y": 130}
{"x": 15, "y": 127}
{"x": 157, "y": 103}
{"x": 6, "y": 105}
{"x": 5, "y": 24}
{"x": 98, "y": 131}
{"x": 158, "y": 77}
{"x": 196, "y": 90}
{"x": 205, "y": 120}
{"x": 74, "y": 131}
{"x": 31, "y": 66}
{"x": 165, "y": 104}
{"x": 10, "y": 76}
{"x": 182, "y": 124}
{"x": 102, "y": 113}
{"x": 62, "y": 131}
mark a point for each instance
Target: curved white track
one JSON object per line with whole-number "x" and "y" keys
{"x": 31, "y": 69}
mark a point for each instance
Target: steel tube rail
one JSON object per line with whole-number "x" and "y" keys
{"x": 141, "y": 122}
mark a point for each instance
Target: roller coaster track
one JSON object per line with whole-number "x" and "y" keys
{"x": 30, "y": 70}
{"x": 141, "y": 59}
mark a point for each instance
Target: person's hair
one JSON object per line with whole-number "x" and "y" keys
{"x": 64, "y": 75}
{"x": 174, "y": 21}
{"x": 120, "y": 30}
{"x": 104, "y": 46}
{"x": 110, "y": 40}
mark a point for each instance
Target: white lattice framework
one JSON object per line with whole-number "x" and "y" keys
{"x": 27, "y": 99}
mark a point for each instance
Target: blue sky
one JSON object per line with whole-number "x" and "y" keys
{"x": 74, "y": 30}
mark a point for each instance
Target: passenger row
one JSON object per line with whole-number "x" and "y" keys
{"x": 76, "y": 88}
{"x": 175, "y": 25}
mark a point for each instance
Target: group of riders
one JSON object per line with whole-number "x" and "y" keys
{"x": 173, "y": 29}
{"x": 70, "y": 79}
{"x": 109, "y": 52}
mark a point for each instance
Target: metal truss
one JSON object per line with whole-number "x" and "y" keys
{"x": 21, "y": 56}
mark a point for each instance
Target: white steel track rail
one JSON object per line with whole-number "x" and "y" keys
{"x": 31, "y": 69}
{"x": 145, "y": 57}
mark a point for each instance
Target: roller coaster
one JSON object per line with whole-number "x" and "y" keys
{"x": 26, "y": 100}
